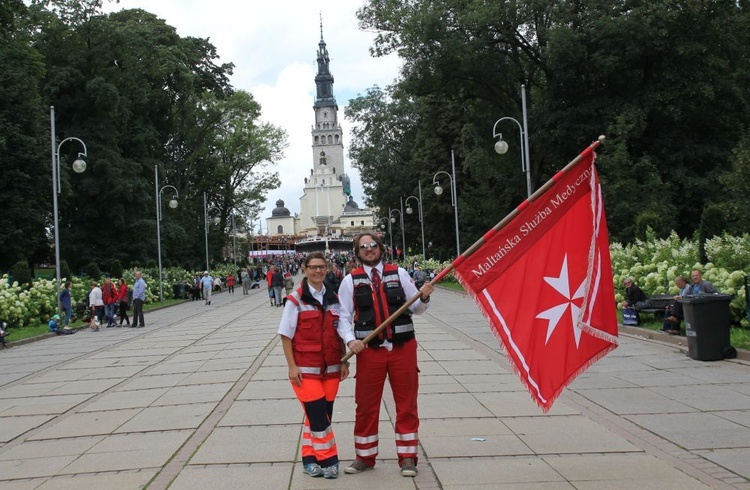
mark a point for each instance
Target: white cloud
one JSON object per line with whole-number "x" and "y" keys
{"x": 273, "y": 46}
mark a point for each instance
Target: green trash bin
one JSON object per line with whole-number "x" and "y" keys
{"x": 707, "y": 326}
{"x": 178, "y": 290}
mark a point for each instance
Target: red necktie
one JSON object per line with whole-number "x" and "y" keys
{"x": 375, "y": 278}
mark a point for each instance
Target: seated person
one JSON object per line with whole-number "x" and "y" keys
{"x": 700, "y": 286}
{"x": 54, "y": 326}
{"x": 218, "y": 286}
{"x": 673, "y": 313}
{"x": 636, "y": 298}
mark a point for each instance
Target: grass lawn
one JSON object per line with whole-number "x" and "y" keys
{"x": 15, "y": 334}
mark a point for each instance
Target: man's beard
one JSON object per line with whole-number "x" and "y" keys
{"x": 370, "y": 263}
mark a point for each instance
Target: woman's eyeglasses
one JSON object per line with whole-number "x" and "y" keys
{"x": 365, "y": 246}
{"x": 316, "y": 267}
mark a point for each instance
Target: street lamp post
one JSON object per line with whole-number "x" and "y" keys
{"x": 409, "y": 210}
{"x": 172, "y": 205}
{"x": 79, "y": 166}
{"x": 234, "y": 242}
{"x": 454, "y": 196}
{"x": 401, "y": 222}
{"x": 206, "y": 210}
{"x": 501, "y": 146}
{"x": 390, "y": 234}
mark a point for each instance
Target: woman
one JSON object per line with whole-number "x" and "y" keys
{"x": 66, "y": 303}
{"x": 313, "y": 350}
{"x": 230, "y": 282}
{"x": 122, "y": 300}
{"x": 288, "y": 282}
{"x": 96, "y": 305}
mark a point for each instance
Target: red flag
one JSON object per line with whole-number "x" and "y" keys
{"x": 544, "y": 282}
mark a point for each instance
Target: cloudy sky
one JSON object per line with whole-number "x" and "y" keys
{"x": 273, "y": 45}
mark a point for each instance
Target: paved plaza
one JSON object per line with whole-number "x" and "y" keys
{"x": 199, "y": 399}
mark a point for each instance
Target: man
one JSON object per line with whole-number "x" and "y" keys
{"x": 368, "y": 295}
{"x": 673, "y": 313}
{"x": 419, "y": 277}
{"x": 277, "y": 283}
{"x": 636, "y": 298}
{"x": 207, "y": 283}
{"x": 139, "y": 297}
{"x": 109, "y": 296}
{"x": 699, "y": 285}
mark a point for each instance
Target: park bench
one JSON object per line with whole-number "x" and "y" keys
{"x": 659, "y": 303}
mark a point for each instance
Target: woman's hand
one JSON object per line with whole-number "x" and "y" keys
{"x": 295, "y": 376}
{"x": 344, "y": 371}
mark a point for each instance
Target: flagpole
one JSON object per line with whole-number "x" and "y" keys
{"x": 502, "y": 224}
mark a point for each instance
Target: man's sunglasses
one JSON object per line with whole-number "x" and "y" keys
{"x": 365, "y": 246}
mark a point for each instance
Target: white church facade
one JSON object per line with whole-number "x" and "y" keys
{"x": 329, "y": 217}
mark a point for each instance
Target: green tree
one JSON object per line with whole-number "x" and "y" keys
{"x": 25, "y": 173}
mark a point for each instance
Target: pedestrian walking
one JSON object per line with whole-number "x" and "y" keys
{"x": 123, "y": 302}
{"x": 207, "y": 283}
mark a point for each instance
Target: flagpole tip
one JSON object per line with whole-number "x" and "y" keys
{"x": 601, "y": 138}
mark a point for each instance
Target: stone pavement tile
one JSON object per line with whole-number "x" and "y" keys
{"x": 469, "y": 438}
{"x": 170, "y": 417}
{"x": 654, "y": 378}
{"x": 224, "y": 364}
{"x": 472, "y": 367}
{"x": 263, "y": 412}
{"x": 431, "y": 368}
{"x": 114, "y": 372}
{"x": 34, "y": 468}
{"x": 276, "y": 358}
{"x": 621, "y": 471}
{"x": 587, "y": 382}
{"x": 182, "y": 395}
{"x": 449, "y": 386}
{"x": 515, "y": 486}
{"x": 47, "y": 449}
{"x": 438, "y": 406}
{"x": 739, "y": 388}
{"x": 86, "y": 386}
{"x": 24, "y": 484}
{"x": 60, "y": 375}
{"x": 12, "y": 427}
{"x": 23, "y": 390}
{"x": 87, "y": 424}
{"x": 708, "y": 398}
{"x": 518, "y": 404}
{"x": 718, "y": 372}
{"x": 125, "y": 399}
{"x": 121, "y": 480}
{"x": 738, "y": 417}
{"x": 463, "y": 354}
{"x": 385, "y": 475}
{"x": 736, "y": 459}
{"x": 264, "y": 390}
{"x": 176, "y": 367}
{"x": 201, "y": 378}
{"x": 613, "y": 365}
{"x": 271, "y": 373}
{"x": 129, "y": 452}
{"x": 41, "y": 405}
{"x": 156, "y": 381}
{"x": 695, "y": 430}
{"x": 250, "y": 445}
{"x": 626, "y": 401}
{"x": 454, "y": 473}
{"x": 236, "y": 476}
{"x": 567, "y": 434}
{"x": 436, "y": 345}
{"x": 344, "y": 409}
{"x": 491, "y": 382}
{"x": 119, "y": 360}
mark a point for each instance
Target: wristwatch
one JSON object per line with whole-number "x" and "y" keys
{"x": 425, "y": 300}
